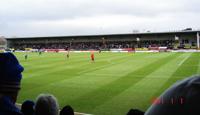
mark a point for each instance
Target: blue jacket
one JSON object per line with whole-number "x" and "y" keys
{"x": 7, "y": 107}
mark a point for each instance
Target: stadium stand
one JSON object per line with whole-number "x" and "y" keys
{"x": 171, "y": 40}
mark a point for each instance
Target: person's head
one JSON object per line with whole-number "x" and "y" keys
{"x": 10, "y": 75}
{"x": 28, "y": 107}
{"x": 135, "y": 112}
{"x": 46, "y": 104}
{"x": 67, "y": 110}
{"x": 181, "y": 99}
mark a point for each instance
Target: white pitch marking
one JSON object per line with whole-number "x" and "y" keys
{"x": 184, "y": 60}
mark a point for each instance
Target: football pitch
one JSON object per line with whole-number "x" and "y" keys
{"x": 111, "y": 85}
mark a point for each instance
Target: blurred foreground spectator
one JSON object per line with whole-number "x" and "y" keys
{"x": 67, "y": 110}
{"x": 183, "y": 98}
{"x": 46, "y": 104}
{"x": 10, "y": 78}
{"x": 28, "y": 107}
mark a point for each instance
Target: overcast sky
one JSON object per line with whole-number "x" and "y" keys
{"x": 19, "y": 18}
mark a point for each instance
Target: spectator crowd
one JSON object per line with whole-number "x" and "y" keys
{"x": 94, "y": 45}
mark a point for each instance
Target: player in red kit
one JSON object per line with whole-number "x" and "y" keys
{"x": 92, "y": 56}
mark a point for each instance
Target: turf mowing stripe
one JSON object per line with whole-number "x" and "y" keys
{"x": 53, "y": 64}
{"x": 40, "y": 76}
{"x": 128, "y": 65}
{"x": 85, "y": 78}
{"x": 104, "y": 93}
{"x": 36, "y": 58}
{"x": 67, "y": 65}
{"x": 60, "y": 85}
{"x": 121, "y": 60}
{"x": 50, "y": 60}
{"x": 185, "y": 70}
{"x": 42, "y": 81}
{"x": 139, "y": 95}
{"x": 29, "y": 85}
{"x": 62, "y": 92}
{"x": 56, "y": 56}
{"x": 50, "y": 63}
{"x": 89, "y": 64}
{"x": 58, "y": 62}
{"x": 39, "y": 60}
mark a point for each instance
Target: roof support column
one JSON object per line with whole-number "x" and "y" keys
{"x": 198, "y": 40}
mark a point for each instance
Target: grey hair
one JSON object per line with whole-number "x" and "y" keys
{"x": 46, "y": 104}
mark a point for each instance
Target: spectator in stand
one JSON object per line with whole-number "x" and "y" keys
{"x": 46, "y": 104}
{"x": 183, "y": 98}
{"x": 10, "y": 77}
{"x": 67, "y": 110}
{"x": 28, "y": 107}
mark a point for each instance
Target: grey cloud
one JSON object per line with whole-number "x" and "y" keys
{"x": 45, "y": 17}
{"x": 62, "y": 9}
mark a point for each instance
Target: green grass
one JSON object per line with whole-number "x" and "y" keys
{"x": 111, "y": 85}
